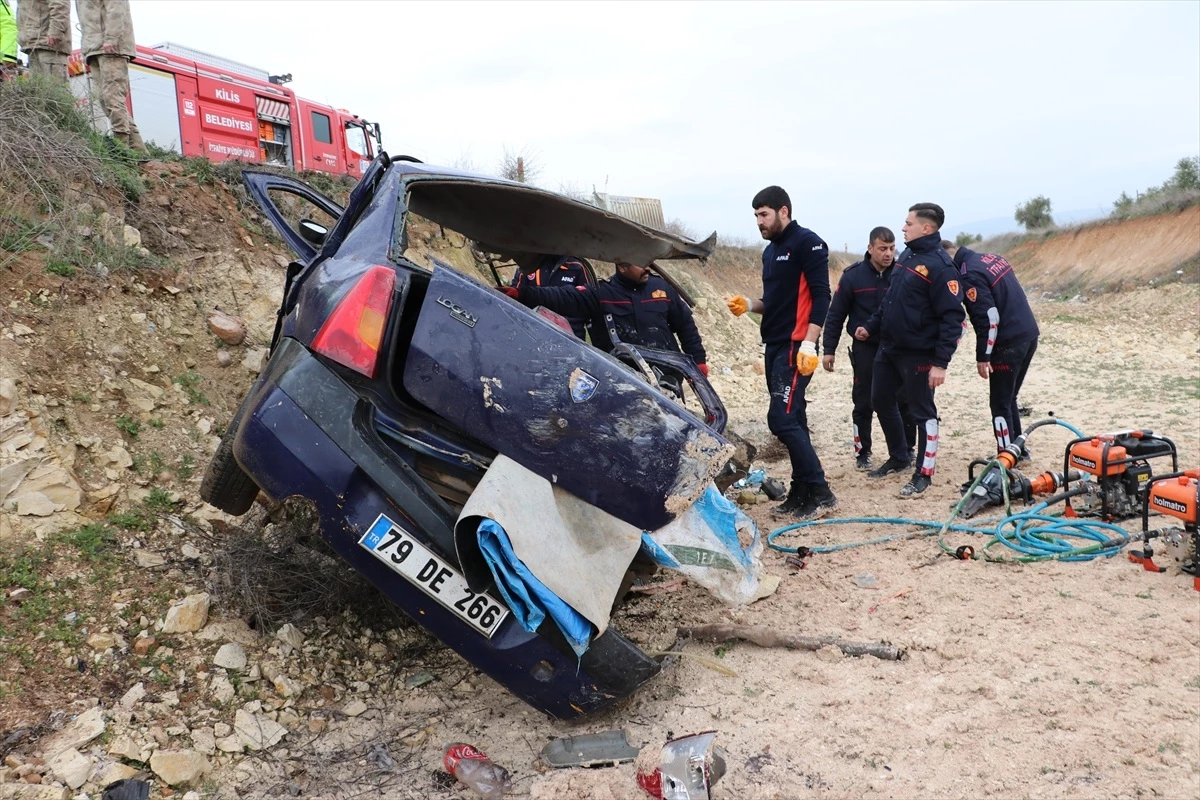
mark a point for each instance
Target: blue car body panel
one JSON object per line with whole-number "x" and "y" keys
{"x": 564, "y": 410}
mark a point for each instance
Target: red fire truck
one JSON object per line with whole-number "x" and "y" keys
{"x": 198, "y": 104}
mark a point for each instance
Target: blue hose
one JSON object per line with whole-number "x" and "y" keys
{"x": 1035, "y": 535}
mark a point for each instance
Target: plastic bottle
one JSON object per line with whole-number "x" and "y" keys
{"x": 472, "y": 768}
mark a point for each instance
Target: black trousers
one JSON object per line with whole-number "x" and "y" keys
{"x": 907, "y": 373}
{"x": 787, "y": 416}
{"x": 862, "y": 360}
{"x": 1010, "y": 363}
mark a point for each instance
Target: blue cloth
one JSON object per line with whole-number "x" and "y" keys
{"x": 526, "y": 596}
{"x": 721, "y": 517}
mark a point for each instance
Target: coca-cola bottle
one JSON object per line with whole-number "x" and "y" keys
{"x": 473, "y": 768}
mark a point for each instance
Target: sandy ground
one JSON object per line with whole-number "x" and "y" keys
{"x": 1038, "y": 680}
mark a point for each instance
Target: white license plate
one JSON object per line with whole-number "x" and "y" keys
{"x": 405, "y": 555}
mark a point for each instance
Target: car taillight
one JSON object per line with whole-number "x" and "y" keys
{"x": 352, "y": 334}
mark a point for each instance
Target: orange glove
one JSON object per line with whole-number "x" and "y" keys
{"x": 806, "y": 358}
{"x": 511, "y": 291}
{"x": 738, "y": 305}
{"x": 703, "y": 369}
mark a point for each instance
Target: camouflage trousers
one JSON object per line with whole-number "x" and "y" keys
{"x": 48, "y": 62}
{"x": 111, "y": 73}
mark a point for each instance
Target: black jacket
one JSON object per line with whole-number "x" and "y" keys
{"x": 558, "y": 271}
{"x": 652, "y": 314}
{"x": 999, "y": 310}
{"x": 922, "y": 311}
{"x": 795, "y": 284}
{"x": 859, "y": 292}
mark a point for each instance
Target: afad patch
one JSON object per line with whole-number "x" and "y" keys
{"x": 658, "y": 294}
{"x": 953, "y": 287}
{"x": 922, "y": 271}
{"x": 972, "y": 294}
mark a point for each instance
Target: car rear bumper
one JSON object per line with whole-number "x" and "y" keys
{"x": 307, "y": 433}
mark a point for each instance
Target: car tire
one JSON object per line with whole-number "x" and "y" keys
{"x": 226, "y": 485}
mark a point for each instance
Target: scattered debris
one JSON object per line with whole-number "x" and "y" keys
{"x": 687, "y": 768}
{"x": 589, "y": 750}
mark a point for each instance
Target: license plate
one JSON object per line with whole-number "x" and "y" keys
{"x": 405, "y": 555}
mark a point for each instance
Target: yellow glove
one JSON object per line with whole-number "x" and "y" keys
{"x": 738, "y": 305}
{"x": 806, "y": 359}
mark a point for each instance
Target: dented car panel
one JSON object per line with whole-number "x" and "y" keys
{"x": 570, "y": 413}
{"x": 458, "y": 373}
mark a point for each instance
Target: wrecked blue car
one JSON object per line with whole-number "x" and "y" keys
{"x": 391, "y": 388}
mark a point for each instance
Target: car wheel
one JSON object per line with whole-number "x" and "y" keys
{"x": 226, "y": 485}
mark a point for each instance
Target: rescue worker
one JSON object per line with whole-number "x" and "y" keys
{"x": 108, "y": 46}
{"x": 918, "y": 324}
{"x": 646, "y": 310}
{"x": 551, "y": 270}
{"x": 45, "y": 34}
{"x": 8, "y": 43}
{"x": 858, "y": 294}
{"x": 1006, "y": 333}
{"x": 794, "y": 302}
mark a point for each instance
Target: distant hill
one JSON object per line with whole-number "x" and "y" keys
{"x": 998, "y": 225}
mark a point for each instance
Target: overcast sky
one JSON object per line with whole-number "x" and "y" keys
{"x": 858, "y": 109}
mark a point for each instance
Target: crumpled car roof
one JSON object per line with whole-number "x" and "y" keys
{"x": 508, "y": 217}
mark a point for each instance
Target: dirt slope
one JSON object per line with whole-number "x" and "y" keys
{"x": 1040, "y": 680}
{"x": 1117, "y": 254}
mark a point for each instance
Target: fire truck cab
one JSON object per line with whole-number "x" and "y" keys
{"x": 198, "y": 104}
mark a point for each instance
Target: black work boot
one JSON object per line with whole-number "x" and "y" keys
{"x": 820, "y": 501}
{"x": 797, "y": 497}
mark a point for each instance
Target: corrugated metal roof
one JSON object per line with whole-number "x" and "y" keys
{"x": 645, "y": 210}
{"x": 212, "y": 60}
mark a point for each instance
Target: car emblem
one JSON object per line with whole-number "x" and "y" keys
{"x": 583, "y": 386}
{"x": 457, "y": 312}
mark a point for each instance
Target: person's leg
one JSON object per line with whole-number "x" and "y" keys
{"x": 114, "y": 91}
{"x": 886, "y": 383}
{"x": 862, "y": 362}
{"x": 1022, "y": 371}
{"x": 1008, "y": 369}
{"x": 915, "y": 373}
{"x": 787, "y": 419}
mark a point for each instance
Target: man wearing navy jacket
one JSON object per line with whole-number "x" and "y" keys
{"x": 858, "y": 294}
{"x": 793, "y": 305}
{"x": 646, "y": 310}
{"x": 919, "y": 324}
{"x": 550, "y": 270}
{"x": 1006, "y": 333}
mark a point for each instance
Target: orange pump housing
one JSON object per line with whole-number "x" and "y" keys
{"x": 1176, "y": 497}
{"x": 1095, "y": 456}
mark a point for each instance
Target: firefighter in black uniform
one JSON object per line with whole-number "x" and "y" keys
{"x": 794, "y": 302}
{"x": 1006, "y": 333}
{"x": 919, "y": 324}
{"x": 551, "y": 270}
{"x": 858, "y": 294}
{"x": 646, "y": 310}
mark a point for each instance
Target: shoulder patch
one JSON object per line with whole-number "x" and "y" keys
{"x": 972, "y": 294}
{"x": 953, "y": 287}
{"x": 820, "y": 246}
{"x": 658, "y": 294}
{"x": 921, "y": 270}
